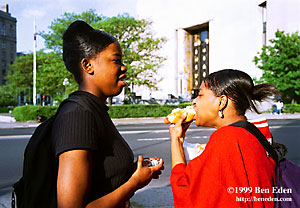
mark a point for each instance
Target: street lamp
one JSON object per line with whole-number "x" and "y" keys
{"x": 65, "y": 84}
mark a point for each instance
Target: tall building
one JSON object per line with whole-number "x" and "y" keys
{"x": 8, "y": 41}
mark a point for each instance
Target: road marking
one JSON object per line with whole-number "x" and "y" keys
{"x": 15, "y": 137}
{"x": 168, "y": 138}
{"x": 150, "y": 131}
{"x": 154, "y": 139}
{"x": 162, "y": 131}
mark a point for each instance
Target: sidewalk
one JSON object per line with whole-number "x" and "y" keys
{"x": 7, "y": 121}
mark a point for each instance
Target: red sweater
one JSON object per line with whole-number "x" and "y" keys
{"x": 232, "y": 160}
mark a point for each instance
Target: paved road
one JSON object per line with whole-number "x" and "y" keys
{"x": 144, "y": 138}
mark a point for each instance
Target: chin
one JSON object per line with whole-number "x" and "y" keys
{"x": 197, "y": 122}
{"x": 116, "y": 92}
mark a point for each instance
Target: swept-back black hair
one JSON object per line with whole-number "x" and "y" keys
{"x": 238, "y": 86}
{"x": 80, "y": 41}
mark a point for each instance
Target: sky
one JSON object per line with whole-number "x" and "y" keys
{"x": 43, "y": 12}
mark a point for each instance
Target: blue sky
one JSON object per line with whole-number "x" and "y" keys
{"x": 45, "y": 11}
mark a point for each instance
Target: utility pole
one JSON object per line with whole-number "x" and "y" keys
{"x": 34, "y": 63}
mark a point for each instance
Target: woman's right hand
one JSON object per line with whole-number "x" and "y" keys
{"x": 178, "y": 130}
{"x": 143, "y": 175}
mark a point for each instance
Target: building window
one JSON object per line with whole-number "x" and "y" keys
{"x": 200, "y": 49}
{"x": 2, "y": 29}
{"x": 3, "y": 55}
{"x": 3, "y": 45}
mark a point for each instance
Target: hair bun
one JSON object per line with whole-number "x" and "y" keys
{"x": 77, "y": 27}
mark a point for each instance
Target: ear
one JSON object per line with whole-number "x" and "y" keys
{"x": 223, "y": 100}
{"x": 87, "y": 66}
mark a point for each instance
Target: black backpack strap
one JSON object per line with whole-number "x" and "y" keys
{"x": 260, "y": 137}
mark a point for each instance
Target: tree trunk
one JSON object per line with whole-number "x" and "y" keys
{"x": 110, "y": 101}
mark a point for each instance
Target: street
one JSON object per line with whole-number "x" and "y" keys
{"x": 144, "y": 139}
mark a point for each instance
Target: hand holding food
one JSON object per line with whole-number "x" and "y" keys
{"x": 174, "y": 116}
{"x": 149, "y": 162}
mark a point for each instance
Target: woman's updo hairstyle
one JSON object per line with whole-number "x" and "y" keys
{"x": 239, "y": 87}
{"x": 80, "y": 41}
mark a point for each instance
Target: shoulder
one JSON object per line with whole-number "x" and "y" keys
{"x": 230, "y": 133}
{"x": 72, "y": 109}
{"x": 229, "y": 138}
{"x": 73, "y": 116}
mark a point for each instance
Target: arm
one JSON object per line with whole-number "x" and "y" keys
{"x": 74, "y": 179}
{"x": 177, "y": 134}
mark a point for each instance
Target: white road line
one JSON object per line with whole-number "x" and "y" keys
{"x": 15, "y": 137}
{"x": 150, "y": 131}
{"x": 154, "y": 139}
{"x": 162, "y": 131}
{"x": 167, "y": 138}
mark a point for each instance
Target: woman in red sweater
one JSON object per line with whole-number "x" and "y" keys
{"x": 234, "y": 169}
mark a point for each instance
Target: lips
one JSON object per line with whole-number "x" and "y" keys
{"x": 122, "y": 78}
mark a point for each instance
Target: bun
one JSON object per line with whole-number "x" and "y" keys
{"x": 77, "y": 27}
{"x": 174, "y": 116}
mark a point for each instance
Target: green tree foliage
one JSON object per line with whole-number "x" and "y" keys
{"x": 49, "y": 76}
{"x": 280, "y": 62}
{"x": 53, "y": 38}
{"x": 140, "y": 47}
{"x": 19, "y": 77}
{"x": 7, "y": 99}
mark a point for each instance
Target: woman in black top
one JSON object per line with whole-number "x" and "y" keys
{"x": 95, "y": 163}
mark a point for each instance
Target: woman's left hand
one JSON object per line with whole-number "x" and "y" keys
{"x": 143, "y": 175}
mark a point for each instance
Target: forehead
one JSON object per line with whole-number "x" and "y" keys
{"x": 204, "y": 89}
{"x": 113, "y": 49}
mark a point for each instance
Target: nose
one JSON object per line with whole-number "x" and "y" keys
{"x": 123, "y": 68}
{"x": 194, "y": 102}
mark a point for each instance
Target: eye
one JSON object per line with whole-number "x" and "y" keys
{"x": 118, "y": 61}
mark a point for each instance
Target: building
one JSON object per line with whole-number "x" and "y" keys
{"x": 8, "y": 41}
{"x": 204, "y": 36}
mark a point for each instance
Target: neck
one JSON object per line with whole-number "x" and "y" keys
{"x": 229, "y": 119}
{"x": 86, "y": 89}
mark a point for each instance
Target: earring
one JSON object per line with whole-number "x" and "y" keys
{"x": 221, "y": 115}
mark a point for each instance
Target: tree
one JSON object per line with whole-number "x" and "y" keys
{"x": 139, "y": 45}
{"x": 19, "y": 77}
{"x": 280, "y": 62}
{"x": 53, "y": 38}
{"x": 50, "y": 75}
{"x": 7, "y": 99}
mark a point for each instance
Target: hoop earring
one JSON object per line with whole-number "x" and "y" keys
{"x": 221, "y": 115}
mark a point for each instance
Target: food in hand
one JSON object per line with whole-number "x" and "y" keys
{"x": 192, "y": 150}
{"x": 174, "y": 116}
{"x": 149, "y": 162}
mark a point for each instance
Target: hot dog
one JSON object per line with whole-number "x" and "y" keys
{"x": 174, "y": 116}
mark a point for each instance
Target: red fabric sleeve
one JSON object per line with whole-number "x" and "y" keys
{"x": 233, "y": 159}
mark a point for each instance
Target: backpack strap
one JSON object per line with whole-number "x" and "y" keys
{"x": 260, "y": 137}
